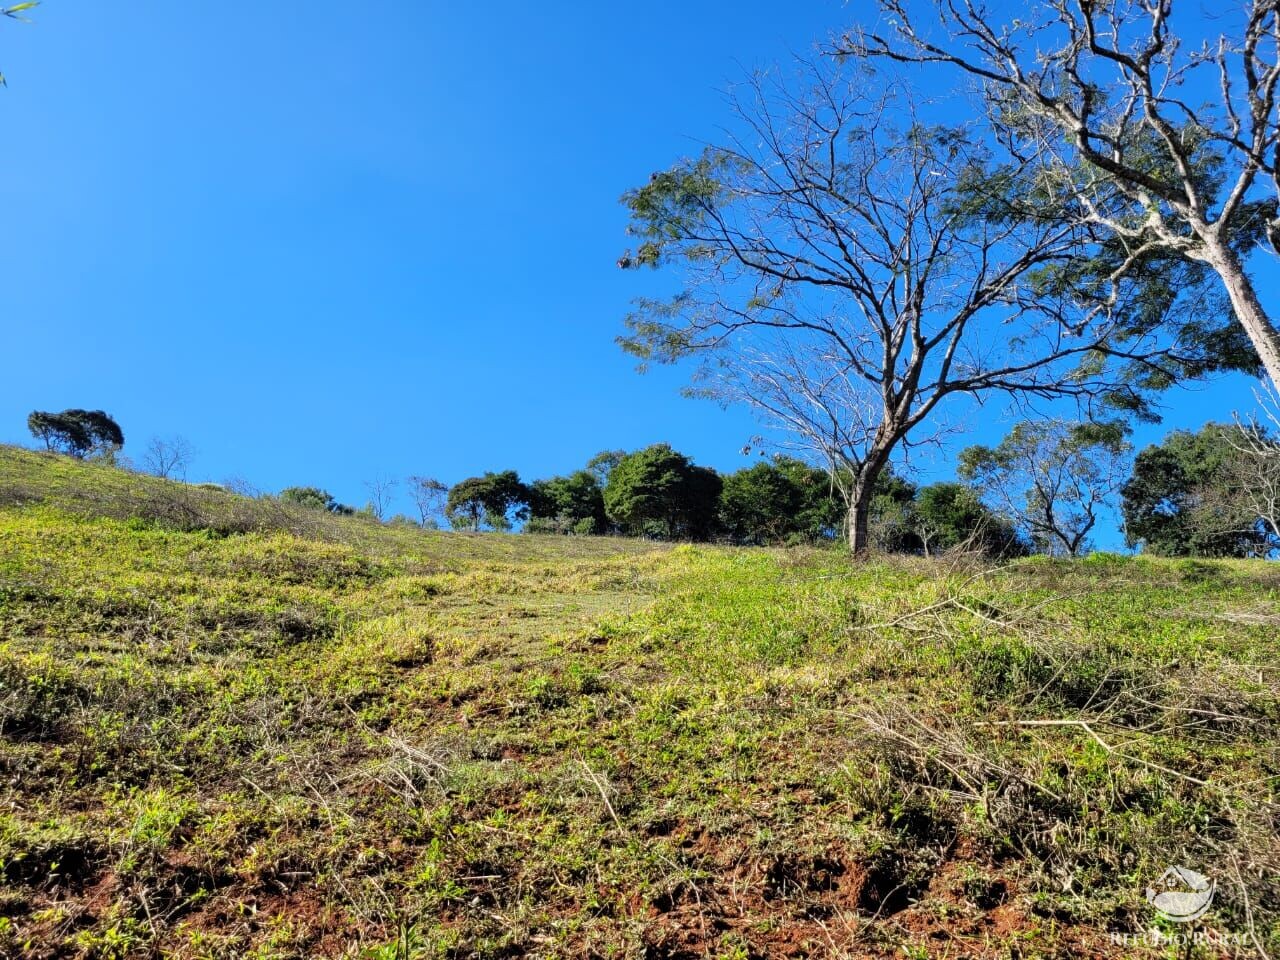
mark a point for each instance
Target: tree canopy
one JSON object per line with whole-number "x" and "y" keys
{"x": 779, "y": 501}
{"x": 493, "y": 500}
{"x": 316, "y": 499}
{"x": 569, "y": 504}
{"x": 1051, "y": 478}
{"x": 1183, "y": 498}
{"x": 658, "y": 492}
{"x": 948, "y": 515}
{"x": 76, "y": 432}
{"x": 1131, "y": 118}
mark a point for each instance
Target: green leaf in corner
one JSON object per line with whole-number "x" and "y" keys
{"x": 17, "y": 9}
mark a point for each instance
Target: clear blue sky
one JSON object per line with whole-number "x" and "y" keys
{"x": 329, "y": 241}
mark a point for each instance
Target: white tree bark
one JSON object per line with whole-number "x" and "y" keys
{"x": 1248, "y": 308}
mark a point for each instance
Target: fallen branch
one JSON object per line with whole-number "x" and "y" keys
{"x": 604, "y": 795}
{"x": 1087, "y": 728}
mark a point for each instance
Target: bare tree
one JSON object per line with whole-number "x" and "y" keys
{"x": 842, "y": 283}
{"x": 429, "y": 495}
{"x": 1052, "y": 478}
{"x": 1255, "y": 471}
{"x": 243, "y": 487}
{"x": 824, "y": 406}
{"x": 381, "y": 491}
{"x": 168, "y": 457}
{"x": 1111, "y": 109}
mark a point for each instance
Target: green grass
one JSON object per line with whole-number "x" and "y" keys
{"x": 232, "y": 729}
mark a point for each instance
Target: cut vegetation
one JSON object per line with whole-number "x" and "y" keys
{"x": 231, "y": 728}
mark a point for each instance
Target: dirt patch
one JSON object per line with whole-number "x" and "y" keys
{"x": 837, "y": 905}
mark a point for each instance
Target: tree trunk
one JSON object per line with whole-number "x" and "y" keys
{"x": 860, "y": 511}
{"x": 860, "y": 524}
{"x": 1248, "y": 308}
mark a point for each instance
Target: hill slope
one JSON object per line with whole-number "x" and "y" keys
{"x": 228, "y": 729}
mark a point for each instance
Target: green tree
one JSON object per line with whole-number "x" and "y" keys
{"x": 778, "y": 501}
{"x": 493, "y": 500}
{"x": 659, "y": 492}
{"x": 571, "y": 504}
{"x": 1051, "y": 478}
{"x": 602, "y": 464}
{"x": 948, "y": 515}
{"x": 76, "y": 432}
{"x": 316, "y": 499}
{"x": 759, "y": 504}
{"x": 1182, "y": 499}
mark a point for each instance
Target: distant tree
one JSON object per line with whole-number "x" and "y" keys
{"x": 79, "y": 433}
{"x": 1255, "y": 470}
{"x": 658, "y": 492}
{"x": 759, "y": 504}
{"x": 603, "y": 463}
{"x": 56, "y": 432}
{"x": 778, "y": 501}
{"x": 493, "y": 500}
{"x": 822, "y": 512}
{"x": 307, "y": 497}
{"x": 951, "y": 515}
{"x": 381, "y": 491}
{"x": 570, "y": 504}
{"x": 168, "y": 457}
{"x": 1183, "y": 498}
{"x": 315, "y": 498}
{"x": 429, "y": 495}
{"x": 893, "y": 524}
{"x": 1051, "y": 478}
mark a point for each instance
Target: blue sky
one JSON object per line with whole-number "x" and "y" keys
{"x": 331, "y": 241}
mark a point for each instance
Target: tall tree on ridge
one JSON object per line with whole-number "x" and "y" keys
{"x": 844, "y": 278}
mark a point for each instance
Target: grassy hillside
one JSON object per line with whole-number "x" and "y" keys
{"x": 229, "y": 729}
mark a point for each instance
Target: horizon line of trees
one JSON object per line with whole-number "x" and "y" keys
{"x": 850, "y": 262}
{"x": 1043, "y": 489}
{"x": 659, "y": 493}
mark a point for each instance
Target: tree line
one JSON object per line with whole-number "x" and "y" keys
{"x": 660, "y": 493}
{"x": 1043, "y": 489}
